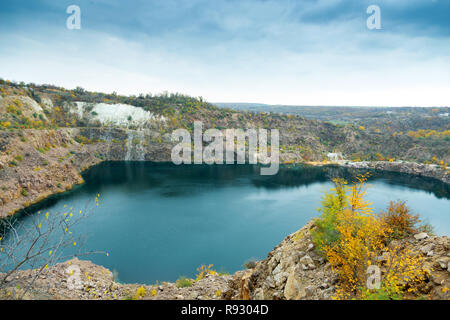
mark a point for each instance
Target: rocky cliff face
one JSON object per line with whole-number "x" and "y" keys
{"x": 35, "y": 164}
{"x": 293, "y": 270}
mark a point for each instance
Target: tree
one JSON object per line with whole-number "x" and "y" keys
{"x": 37, "y": 246}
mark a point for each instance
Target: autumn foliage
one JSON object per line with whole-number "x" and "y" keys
{"x": 352, "y": 238}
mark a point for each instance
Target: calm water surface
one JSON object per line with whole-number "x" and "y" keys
{"x": 161, "y": 221}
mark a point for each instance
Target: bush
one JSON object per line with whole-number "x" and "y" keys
{"x": 183, "y": 282}
{"x": 250, "y": 264}
{"x": 399, "y": 219}
{"x": 140, "y": 293}
{"x": 352, "y": 238}
{"x": 326, "y": 233}
{"x": 204, "y": 270}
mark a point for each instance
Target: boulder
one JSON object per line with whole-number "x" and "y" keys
{"x": 421, "y": 236}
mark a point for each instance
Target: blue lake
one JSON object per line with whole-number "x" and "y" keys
{"x": 161, "y": 221}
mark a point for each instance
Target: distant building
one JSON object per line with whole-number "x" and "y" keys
{"x": 335, "y": 156}
{"x": 443, "y": 114}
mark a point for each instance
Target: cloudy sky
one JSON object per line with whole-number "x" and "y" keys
{"x": 303, "y": 52}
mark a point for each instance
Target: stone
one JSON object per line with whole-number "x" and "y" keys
{"x": 427, "y": 248}
{"x": 259, "y": 294}
{"x": 269, "y": 282}
{"x": 323, "y": 285}
{"x": 309, "y": 290}
{"x": 442, "y": 263}
{"x": 294, "y": 289}
{"x": 421, "y": 236}
{"x": 277, "y": 274}
{"x": 430, "y": 253}
{"x": 306, "y": 260}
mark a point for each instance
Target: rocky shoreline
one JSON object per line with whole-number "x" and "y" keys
{"x": 417, "y": 169}
{"x": 39, "y": 163}
{"x": 292, "y": 270}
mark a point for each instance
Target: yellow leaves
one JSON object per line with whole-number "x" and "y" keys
{"x": 74, "y": 243}
{"x": 426, "y": 133}
{"x": 204, "y": 270}
{"x": 361, "y": 239}
{"x": 154, "y": 292}
{"x": 46, "y": 215}
{"x": 140, "y": 292}
{"x": 5, "y": 124}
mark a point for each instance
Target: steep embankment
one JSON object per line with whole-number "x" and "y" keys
{"x": 294, "y": 270}
{"x": 35, "y": 164}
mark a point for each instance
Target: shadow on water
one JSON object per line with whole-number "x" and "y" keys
{"x": 169, "y": 175}
{"x": 171, "y": 180}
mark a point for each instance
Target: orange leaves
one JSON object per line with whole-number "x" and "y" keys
{"x": 399, "y": 218}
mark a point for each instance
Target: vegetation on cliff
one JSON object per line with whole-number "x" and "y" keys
{"x": 354, "y": 240}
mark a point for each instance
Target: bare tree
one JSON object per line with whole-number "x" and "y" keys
{"x": 36, "y": 245}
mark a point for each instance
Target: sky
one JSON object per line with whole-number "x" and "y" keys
{"x": 303, "y": 52}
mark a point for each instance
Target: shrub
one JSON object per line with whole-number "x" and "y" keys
{"x": 352, "y": 238}
{"x": 399, "y": 219}
{"x": 326, "y": 233}
{"x": 183, "y": 282}
{"x": 24, "y": 192}
{"x": 203, "y": 271}
{"x": 250, "y": 264}
{"x": 140, "y": 292}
